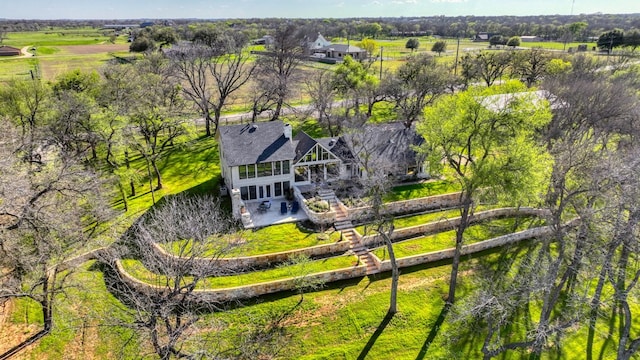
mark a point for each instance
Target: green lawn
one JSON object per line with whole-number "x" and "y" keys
{"x": 270, "y": 239}
{"x": 17, "y": 68}
{"x": 137, "y": 269}
{"x": 445, "y": 240}
{"x": 58, "y": 37}
{"x": 421, "y": 219}
{"x": 423, "y": 189}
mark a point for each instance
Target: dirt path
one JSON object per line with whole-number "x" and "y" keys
{"x": 25, "y": 52}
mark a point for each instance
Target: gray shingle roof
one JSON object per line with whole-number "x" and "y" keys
{"x": 255, "y": 143}
{"x": 303, "y": 143}
{"x": 389, "y": 143}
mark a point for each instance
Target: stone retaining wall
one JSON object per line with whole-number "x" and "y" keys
{"x": 327, "y": 217}
{"x": 257, "y": 261}
{"x": 409, "y": 206}
{"x": 468, "y": 249}
{"x": 243, "y": 292}
{"x": 233, "y": 264}
{"x": 249, "y": 291}
{"x": 450, "y": 224}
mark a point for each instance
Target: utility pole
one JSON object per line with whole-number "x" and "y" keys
{"x": 381, "y": 48}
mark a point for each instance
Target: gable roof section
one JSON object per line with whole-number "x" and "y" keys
{"x": 303, "y": 143}
{"x": 255, "y": 143}
{"x": 389, "y": 142}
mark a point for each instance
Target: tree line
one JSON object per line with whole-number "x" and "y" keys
{"x": 65, "y": 140}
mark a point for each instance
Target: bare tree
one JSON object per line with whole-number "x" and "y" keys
{"x": 277, "y": 71}
{"x": 530, "y": 65}
{"x": 48, "y": 211}
{"x": 417, "y": 84}
{"x": 374, "y": 184}
{"x": 319, "y": 87}
{"x": 230, "y": 71}
{"x": 156, "y": 114}
{"x": 485, "y": 66}
{"x": 168, "y": 315}
{"x": 191, "y": 65}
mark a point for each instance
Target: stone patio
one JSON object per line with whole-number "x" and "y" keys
{"x": 272, "y": 216}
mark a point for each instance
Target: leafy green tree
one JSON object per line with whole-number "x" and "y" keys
{"x": 496, "y": 40}
{"x": 632, "y": 39}
{"x": 439, "y": 47}
{"x": 513, "y": 41}
{"x": 611, "y": 39}
{"x": 349, "y": 79}
{"x": 412, "y": 44}
{"x": 370, "y": 45}
{"x": 142, "y": 44}
{"x": 370, "y": 29}
{"x": 485, "y": 140}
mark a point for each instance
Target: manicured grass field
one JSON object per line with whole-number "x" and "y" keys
{"x": 270, "y": 239}
{"x": 58, "y": 37}
{"x": 423, "y": 189}
{"x": 137, "y": 269}
{"x": 420, "y": 219}
{"x": 445, "y": 240}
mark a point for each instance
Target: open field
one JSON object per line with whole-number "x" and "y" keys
{"x": 60, "y": 37}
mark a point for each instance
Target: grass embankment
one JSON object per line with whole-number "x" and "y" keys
{"x": 422, "y": 189}
{"x": 346, "y": 321}
{"x": 137, "y": 270}
{"x": 446, "y": 240}
{"x": 415, "y": 220}
{"x": 87, "y": 323}
{"x": 270, "y": 239}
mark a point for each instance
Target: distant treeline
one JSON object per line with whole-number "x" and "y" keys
{"x": 548, "y": 27}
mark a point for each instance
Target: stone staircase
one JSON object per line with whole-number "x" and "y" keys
{"x": 342, "y": 217}
{"x": 344, "y": 224}
{"x": 363, "y": 254}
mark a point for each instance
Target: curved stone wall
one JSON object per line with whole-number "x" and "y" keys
{"x": 253, "y": 290}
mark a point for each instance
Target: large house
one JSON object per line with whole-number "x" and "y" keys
{"x": 264, "y": 160}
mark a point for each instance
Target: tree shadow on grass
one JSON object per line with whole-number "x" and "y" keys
{"x": 434, "y": 332}
{"x": 375, "y": 336}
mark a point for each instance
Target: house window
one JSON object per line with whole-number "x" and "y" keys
{"x": 261, "y": 191}
{"x": 244, "y": 193}
{"x": 286, "y": 168}
{"x": 251, "y": 171}
{"x": 277, "y": 168}
{"x": 264, "y": 169}
{"x": 277, "y": 189}
{"x": 252, "y": 192}
{"x": 285, "y": 187}
{"x": 242, "y": 170}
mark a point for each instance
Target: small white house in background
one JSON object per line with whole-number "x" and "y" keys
{"x": 319, "y": 43}
{"x": 261, "y": 161}
{"x": 530, "y": 38}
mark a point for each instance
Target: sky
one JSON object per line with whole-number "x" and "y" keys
{"x": 216, "y": 9}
